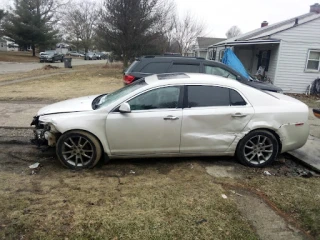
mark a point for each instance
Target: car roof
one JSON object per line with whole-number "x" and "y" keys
{"x": 190, "y": 78}
{"x": 178, "y": 59}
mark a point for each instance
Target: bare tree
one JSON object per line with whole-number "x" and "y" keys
{"x": 186, "y": 32}
{"x": 80, "y": 22}
{"x": 233, "y": 32}
{"x": 166, "y": 23}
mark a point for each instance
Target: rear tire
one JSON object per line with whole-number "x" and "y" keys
{"x": 78, "y": 150}
{"x": 257, "y": 149}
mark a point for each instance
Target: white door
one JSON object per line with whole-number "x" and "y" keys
{"x": 212, "y": 119}
{"x": 152, "y": 127}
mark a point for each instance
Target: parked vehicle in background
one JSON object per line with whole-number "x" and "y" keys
{"x": 101, "y": 55}
{"x": 174, "y": 115}
{"x": 148, "y": 65}
{"x": 75, "y": 54}
{"x": 90, "y": 56}
{"x": 51, "y": 56}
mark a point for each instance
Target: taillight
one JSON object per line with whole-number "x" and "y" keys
{"x": 128, "y": 79}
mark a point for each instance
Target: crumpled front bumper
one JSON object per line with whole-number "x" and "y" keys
{"x": 42, "y": 134}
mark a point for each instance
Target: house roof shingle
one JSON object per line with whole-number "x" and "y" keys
{"x": 262, "y": 33}
{"x": 205, "y": 42}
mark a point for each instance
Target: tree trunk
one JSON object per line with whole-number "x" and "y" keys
{"x": 125, "y": 61}
{"x": 33, "y": 50}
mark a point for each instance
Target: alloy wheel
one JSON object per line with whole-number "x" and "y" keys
{"x": 77, "y": 151}
{"x": 258, "y": 149}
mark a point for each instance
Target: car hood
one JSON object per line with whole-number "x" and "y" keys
{"x": 72, "y": 105}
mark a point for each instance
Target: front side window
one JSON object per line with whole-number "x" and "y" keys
{"x": 219, "y": 72}
{"x": 189, "y": 68}
{"x": 167, "y": 97}
{"x": 313, "y": 62}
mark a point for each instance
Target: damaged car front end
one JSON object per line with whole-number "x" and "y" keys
{"x": 45, "y": 134}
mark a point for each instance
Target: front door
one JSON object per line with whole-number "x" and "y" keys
{"x": 212, "y": 118}
{"x": 152, "y": 127}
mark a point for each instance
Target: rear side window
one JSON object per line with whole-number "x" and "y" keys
{"x": 132, "y": 66}
{"x": 219, "y": 72}
{"x": 189, "y": 68}
{"x": 156, "y": 67}
{"x": 207, "y": 96}
{"x": 236, "y": 99}
{"x": 212, "y": 96}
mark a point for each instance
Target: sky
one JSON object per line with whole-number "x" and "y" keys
{"x": 219, "y": 15}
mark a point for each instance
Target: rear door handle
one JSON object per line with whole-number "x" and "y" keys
{"x": 239, "y": 115}
{"x": 170, "y": 117}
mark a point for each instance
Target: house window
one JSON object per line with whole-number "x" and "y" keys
{"x": 313, "y": 62}
{"x": 221, "y": 53}
{"x": 212, "y": 53}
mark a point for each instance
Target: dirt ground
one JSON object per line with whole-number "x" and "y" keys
{"x": 186, "y": 198}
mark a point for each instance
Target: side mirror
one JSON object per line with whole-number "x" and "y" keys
{"x": 124, "y": 108}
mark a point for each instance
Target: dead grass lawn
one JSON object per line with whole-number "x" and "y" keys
{"x": 87, "y": 80}
{"x": 297, "y": 197}
{"x": 30, "y": 74}
{"x": 18, "y": 57}
{"x": 122, "y": 200}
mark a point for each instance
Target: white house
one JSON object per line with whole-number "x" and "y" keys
{"x": 288, "y": 52}
{"x": 200, "y": 48}
{"x": 7, "y": 44}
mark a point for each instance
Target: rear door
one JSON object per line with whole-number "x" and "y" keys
{"x": 213, "y": 116}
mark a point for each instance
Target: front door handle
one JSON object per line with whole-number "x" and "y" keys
{"x": 170, "y": 117}
{"x": 239, "y": 115}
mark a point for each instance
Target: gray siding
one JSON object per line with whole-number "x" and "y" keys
{"x": 295, "y": 43}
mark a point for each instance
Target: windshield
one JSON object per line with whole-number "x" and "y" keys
{"x": 112, "y": 97}
{"x": 49, "y": 52}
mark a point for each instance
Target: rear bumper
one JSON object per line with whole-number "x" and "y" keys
{"x": 293, "y": 136}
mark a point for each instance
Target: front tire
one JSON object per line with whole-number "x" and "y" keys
{"x": 258, "y": 149}
{"x": 78, "y": 150}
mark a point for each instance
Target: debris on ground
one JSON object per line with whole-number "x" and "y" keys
{"x": 224, "y": 196}
{"x": 48, "y": 67}
{"x": 267, "y": 173}
{"x": 132, "y": 172}
{"x": 234, "y": 192}
{"x": 201, "y": 221}
{"x": 34, "y": 166}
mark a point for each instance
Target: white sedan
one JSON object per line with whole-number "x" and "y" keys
{"x": 174, "y": 115}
